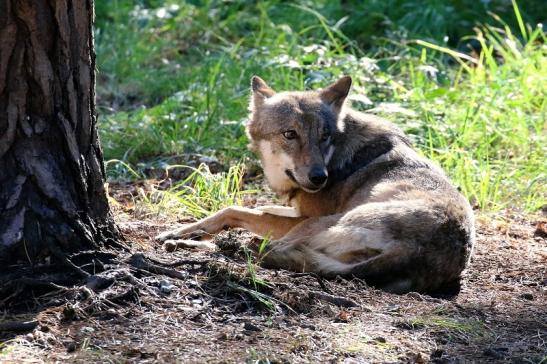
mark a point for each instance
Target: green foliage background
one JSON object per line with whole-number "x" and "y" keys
{"x": 465, "y": 78}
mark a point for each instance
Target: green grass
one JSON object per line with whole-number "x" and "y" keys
{"x": 198, "y": 195}
{"x": 487, "y": 128}
{"x": 174, "y": 78}
{"x": 246, "y": 282}
{"x": 251, "y": 265}
{"x": 452, "y": 326}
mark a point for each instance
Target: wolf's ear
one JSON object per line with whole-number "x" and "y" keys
{"x": 335, "y": 94}
{"x": 261, "y": 91}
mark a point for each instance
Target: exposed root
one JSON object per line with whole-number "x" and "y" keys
{"x": 17, "y": 326}
{"x": 139, "y": 261}
{"x": 130, "y": 294}
{"x": 87, "y": 255}
{"x": 19, "y": 289}
{"x": 178, "y": 263}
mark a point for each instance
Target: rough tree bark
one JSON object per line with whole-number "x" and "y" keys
{"x": 52, "y": 199}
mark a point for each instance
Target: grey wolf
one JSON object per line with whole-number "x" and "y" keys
{"x": 360, "y": 201}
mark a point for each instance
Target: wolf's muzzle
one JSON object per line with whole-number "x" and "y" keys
{"x": 318, "y": 175}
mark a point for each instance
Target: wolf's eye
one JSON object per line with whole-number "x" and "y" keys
{"x": 290, "y": 134}
{"x": 325, "y": 136}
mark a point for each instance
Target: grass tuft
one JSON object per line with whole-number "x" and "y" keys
{"x": 445, "y": 323}
{"x": 199, "y": 195}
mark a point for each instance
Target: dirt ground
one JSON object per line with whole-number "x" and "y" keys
{"x": 223, "y": 309}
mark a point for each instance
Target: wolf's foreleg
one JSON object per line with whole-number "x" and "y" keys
{"x": 256, "y": 221}
{"x": 280, "y": 210}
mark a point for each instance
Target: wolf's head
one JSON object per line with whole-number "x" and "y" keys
{"x": 293, "y": 133}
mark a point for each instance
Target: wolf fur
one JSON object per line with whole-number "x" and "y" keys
{"x": 361, "y": 201}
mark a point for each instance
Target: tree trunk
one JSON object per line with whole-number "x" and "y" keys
{"x": 52, "y": 199}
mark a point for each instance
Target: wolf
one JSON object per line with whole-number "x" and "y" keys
{"x": 359, "y": 200}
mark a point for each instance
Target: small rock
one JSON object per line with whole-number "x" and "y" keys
{"x": 527, "y": 296}
{"x": 69, "y": 313}
{"x": 419, "y": 359}
{"x": 85, "y": 292}
{"x": 70, "y": 347}
{"x": 51, "y": 339}
{"x": 308, "y": 326}
{"x": 87, "y": 330}
{"x": 222, "y": 336}
{"x": 437, "y": 353}
{"x": 380, "y": 339}
{"x": 166, "y": 286}
{"x": 343, "y": 316}
{"x": 493, "y": 353}
{"x": 170, "y": 246}
{"x": 250, "y": 327}
{"x": 541, "y": 229}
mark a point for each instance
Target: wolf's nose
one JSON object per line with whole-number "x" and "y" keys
{"x": 318, "y": 176}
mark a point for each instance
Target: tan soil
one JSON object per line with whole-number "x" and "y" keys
{"x": 222, "y": 312}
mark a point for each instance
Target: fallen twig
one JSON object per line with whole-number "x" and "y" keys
{"x": 335, "y": 300}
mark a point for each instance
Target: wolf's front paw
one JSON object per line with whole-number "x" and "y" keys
{"x": 189, "y": 231}
{"x": 172, "y": 245}
{"x": 165, "y": 236}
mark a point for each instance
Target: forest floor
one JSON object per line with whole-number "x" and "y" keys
{"x": 227, "y": 309}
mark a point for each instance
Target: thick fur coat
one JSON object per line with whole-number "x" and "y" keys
{"x": 361, "y": 201}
